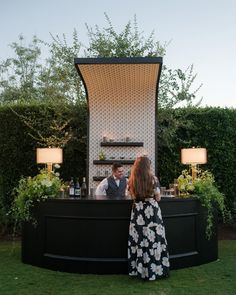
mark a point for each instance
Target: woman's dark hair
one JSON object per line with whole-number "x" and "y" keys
{"x": 141, "y": 179}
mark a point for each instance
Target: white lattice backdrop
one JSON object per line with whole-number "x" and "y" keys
{"x": 122, "y": 100}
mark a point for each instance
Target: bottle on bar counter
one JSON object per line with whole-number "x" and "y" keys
{"x": 84, "y": 188}
{"x": 77, "y": 189}
{"x": 71, "y": 188}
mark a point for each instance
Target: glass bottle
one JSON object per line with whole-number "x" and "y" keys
{"x": 77, "y": 189}
{"x": 84, "y": 188}
{"x": 71, "y": 188}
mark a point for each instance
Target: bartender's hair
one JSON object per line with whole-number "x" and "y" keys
{"x": 141, "y": 179}
{"x": 116, "y": 165}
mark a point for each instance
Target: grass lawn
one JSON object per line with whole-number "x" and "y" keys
{"x": 214, "y": 278}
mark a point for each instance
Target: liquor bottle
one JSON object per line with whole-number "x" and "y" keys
{"x": 84, "y": 189}
{"x": 77, "y": 189}
{"x": 72, "y": 188}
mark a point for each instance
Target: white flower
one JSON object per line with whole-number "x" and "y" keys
{"x": 139, "y": 252}
{"x": 133, "y": 249}
{"x": 146, "y": 257}
{"x": 57, "y": 166}
{"x": 152, "y": 278}
{"x": 163, "y": 247}
{"x": 133, "y": 264}
{"x": 159, "y": 214}
{"x": 151, "y": 251}
{"x": 157, "y": 254}
{"x": 152, "y": 224}
{"x": 151, "y": 235}
{"x": 159, "y": 246}
{"x": 159, "y": 229}
{"x": 139, "y": 206}
{"x": 46, "y": 182}
{"x": 155, "y": 245}
{"x": 144, "y": 243}
{"x": 165, "y": 261}
{"x": 140, "y": 220}
{"x": 159, "y": 270}
{"x": 154, "y": 267}
{"x": 145, "y": 231}
{"x": 148, "y": 211}
{"x": 132, "y": 215}
{"x": 133, "y": 233}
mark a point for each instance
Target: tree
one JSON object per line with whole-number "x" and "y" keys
{"x": 18, "y": 75}
{"x": 24, "y": 78}
{"x": 175, "y": 85}
{"x": 58, "y": 81}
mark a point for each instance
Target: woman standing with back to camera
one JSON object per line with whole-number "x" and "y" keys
{"x": 148, "y": 257}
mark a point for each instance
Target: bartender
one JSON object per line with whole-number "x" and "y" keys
{"x": 113, "y": 186}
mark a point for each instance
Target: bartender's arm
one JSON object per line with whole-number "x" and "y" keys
{"x": 157, "y": 191}
{"x": 101, "y": 188}
{"x": 157, "y": 194}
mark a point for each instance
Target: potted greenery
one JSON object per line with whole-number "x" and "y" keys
{"x": 30, "y": 190}
{"x": 205, "y": 189}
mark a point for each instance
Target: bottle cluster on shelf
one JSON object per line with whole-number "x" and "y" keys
{"x": 77, "y": 191}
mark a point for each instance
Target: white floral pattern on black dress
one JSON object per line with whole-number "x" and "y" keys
{"x": 148, "y": 257}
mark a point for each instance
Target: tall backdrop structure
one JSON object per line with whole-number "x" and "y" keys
{"x": 122, "y": 105}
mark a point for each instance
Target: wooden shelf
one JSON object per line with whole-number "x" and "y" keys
{"x": 110, "y": 162}
{"x": 119, "y": 143}
{"x": 98, "y": 178}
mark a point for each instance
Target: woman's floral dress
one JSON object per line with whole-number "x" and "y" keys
{"x": 148, "y": 257}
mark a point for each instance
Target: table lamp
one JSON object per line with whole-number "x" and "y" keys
{"x": 49, "y": 156}
{"x": 193, "y": 157}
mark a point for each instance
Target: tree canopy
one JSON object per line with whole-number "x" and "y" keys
{"x": 25, "y": 77}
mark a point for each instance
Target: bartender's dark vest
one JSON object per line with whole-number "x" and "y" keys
{"x": 114, "y": 191}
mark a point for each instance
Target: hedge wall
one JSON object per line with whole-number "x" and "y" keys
{"x": 213, "y": 128}
{"x": 18, "y": 148}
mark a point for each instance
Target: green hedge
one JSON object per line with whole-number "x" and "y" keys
{"x": 213, "y": 128}
{"x": 18, "y": 148}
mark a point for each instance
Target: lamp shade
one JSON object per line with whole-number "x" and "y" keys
{"x": 194, "y": 156}
{"x": 49, "y": 155}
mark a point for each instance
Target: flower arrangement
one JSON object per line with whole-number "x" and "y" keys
{"x": 205, "y": 189}
{"x": 185, "y": 183}
{"x": 34, "y": 189}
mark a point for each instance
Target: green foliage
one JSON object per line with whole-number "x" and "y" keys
{"x": 34, "y": 189}
{"x": 25, "y": 78}
{"x": 185, "y": 183}
{"x": 206, "y": 190}
{"x": 175, "y": 85}
{"x": 18, "y": 146}
{"x": 19, "y": 74}
{"x": 209, "y": 195}
{"x": 60, "y": 80}
{"x": 55, "y": 132}
{"x": 106, "y": 42}
{"x": 212, "y": 128}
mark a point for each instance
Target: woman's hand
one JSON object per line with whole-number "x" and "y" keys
{"x": 157, "y": 197}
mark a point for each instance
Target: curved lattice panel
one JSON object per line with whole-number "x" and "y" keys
{"x": 122, "y": 104}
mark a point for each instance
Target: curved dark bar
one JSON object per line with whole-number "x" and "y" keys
{"x": 90, "y": 236}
